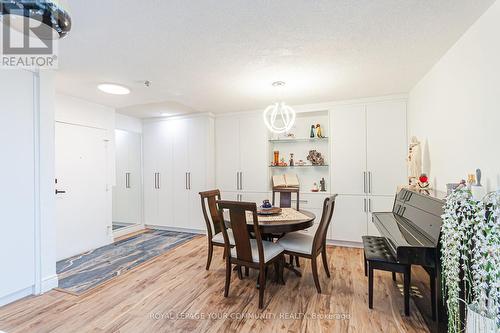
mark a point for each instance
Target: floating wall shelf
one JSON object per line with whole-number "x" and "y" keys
{"x": 299, "y": 166}
{"x": 299, "y": 140}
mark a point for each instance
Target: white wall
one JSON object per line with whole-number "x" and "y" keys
{"x": 455, "y": 109}
{"x": 127, "y": 123}
{"x": 72, "y": 110}
{"x": 27, "y": 202}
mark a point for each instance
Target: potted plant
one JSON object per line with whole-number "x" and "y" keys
{"x": 470, "y": 243}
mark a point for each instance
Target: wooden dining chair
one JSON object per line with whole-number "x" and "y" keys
{"x": 286, "y": 196}
{"x": 248, "y": 252}
{"x": 300, "y": 244}
{"x": 214, "y": 235}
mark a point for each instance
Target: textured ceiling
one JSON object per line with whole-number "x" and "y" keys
{"x": 223, "y": 55}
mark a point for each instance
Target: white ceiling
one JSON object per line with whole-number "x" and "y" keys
{"x": 222, "y": 55}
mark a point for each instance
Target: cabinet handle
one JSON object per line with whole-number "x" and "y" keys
{"x": 369, "y": 182}
{"x": 237, "y": 181}
{"x": 364, "y": 181}
{"x": 370, "y": 205}
{"x": 159, "y": 183}
{"x": 186, "y": 181}
{"x": 189, "y": 180}
{"x": 127, "y": 179}
{"x": 364, "y": 205}
{"x": 241, "y": 180}
{"x": 156, "y": 181}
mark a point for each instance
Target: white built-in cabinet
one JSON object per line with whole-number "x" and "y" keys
{"x": 127, "y": 193}
{"x": 368, "y": 157}
{"x": 178, "y": 164}
{"x": 241, "y": 157}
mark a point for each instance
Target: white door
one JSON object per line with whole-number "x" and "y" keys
{"x": 164, "y": 150}
{"x": 349, "y": 218}
{"x": 378, "y": 204}
{"x": 82, "y": 212}
{"x": 386, "y": 147}
{"x": 349, "y": 149}
{"x": 16, "y": 198}
{"x": 197, "y": 171}
{"x": 135, "y": 178}
{"x": 120, "y": 202}
{"x": 151, "y": 150}
{"x": 253, "y": 154}
{"x": 227, "y": 156}
{"x": 180, "y": 172}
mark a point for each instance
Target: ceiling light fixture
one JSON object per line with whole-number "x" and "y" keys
{"x": 114, "y": 89}
{"x": 279, "y": 117}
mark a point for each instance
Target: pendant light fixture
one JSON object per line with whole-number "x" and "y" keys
{"x": 53, "y": 16}
{"x": 279, "y": 117}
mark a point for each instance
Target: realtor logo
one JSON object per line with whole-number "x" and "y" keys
{"x": 26, "y": 41}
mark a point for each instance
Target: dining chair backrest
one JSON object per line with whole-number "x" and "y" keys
{"x": 326, "y": 218}
{"x": 238, "y": 219}
{"x": 211, "y": 216}
{"x": 286, "y": 196}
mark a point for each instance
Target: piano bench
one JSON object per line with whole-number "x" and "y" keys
{"x": 378, "y": 256}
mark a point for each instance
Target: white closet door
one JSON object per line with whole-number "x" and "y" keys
{"x": 164, "y": 148}
{"x": 150, "y": 165}
{"x": 386, "y": 150}
{"x": 180, "y": 166}
{"x": 253, "y": 154}
{"x": 197, "y": 177}
{"x": 227, "y": 154}
{"x": 135, "y": 179}
{"x": 348, "y": 149}
{"x": 349, "y": 218}
{"x": 120, "y": 195}
{"x": 16, "y": 198}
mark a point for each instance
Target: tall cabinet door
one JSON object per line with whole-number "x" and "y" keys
{"x": 197, "y": 172}
{"x": 386, "y": 149}
{"x": 180, "y": 167}
{"x": 150, "y": 164}
{"x": 120, "y": 208}
{"x": 349, "y": 149}
{"x": 253, "y": 154}
{"x": 227, "y": 157}
{"x": 349, "y": 218}
{"x": 166, "y": 161}
{"x": 135, "y": 179}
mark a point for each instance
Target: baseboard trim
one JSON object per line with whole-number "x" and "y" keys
{"x": 128, "y": 230}
{"x": 16, "y": 296}
{"x": 160, "y": 227}
{"x": 49, "y": 283}
{"x": 340, "y": 243}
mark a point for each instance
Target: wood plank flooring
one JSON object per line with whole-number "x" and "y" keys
{"x": 174, "y": 293}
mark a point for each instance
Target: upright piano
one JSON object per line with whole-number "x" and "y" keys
{"x": 412, "y": 233}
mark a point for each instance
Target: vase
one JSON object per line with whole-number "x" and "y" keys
{"x": 477, "y": 323}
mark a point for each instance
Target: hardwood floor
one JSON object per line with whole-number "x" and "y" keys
{"x": 174, "y": 293}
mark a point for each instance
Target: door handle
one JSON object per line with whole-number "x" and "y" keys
{"x": 369, "y": 182}
{"x": 364, "y": 181}
{"x": 127, "y": 180}
{"x": 370, "y": 205}
{"x": 60, "y": 192}
{"x": 189, "y": 180}
{"x": 158, "y": 182}
{"x": 364, "y": 205}
{"x": 186, "y": 181}
{"x": 241, "y": 180}
{"x": 238, "y": 185}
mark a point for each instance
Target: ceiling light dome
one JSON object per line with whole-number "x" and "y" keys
{"x": 55, "y": 19}
{"x": 113, "y": 89}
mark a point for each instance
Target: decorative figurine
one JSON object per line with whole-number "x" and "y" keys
{"x": 315, "y": 188}
{"x": 423, "y": 182}
{"x": 477, "y": 190}
{"x": 471, "y": 180}
{"x": 319, "y": 133}
{"x": 312, "y": 131}
{"x": 291, "y": 160}
{"x": 322, "y": 185}
{"x": 315, "y": 158}
{"x": 266, "y": 204}
{"x": 301, "y": 163}
{"x": 282, "y": 162}
{"x": 414, "y": 161}
{"x": 276, "y": 161}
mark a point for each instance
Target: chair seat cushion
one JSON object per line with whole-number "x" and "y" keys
{"x": 299, "y": 242}
{"x": 271, "y": 250}
{"x": 219, "y": 238}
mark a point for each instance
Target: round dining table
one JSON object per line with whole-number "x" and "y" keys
{"x": 280, "y": 225}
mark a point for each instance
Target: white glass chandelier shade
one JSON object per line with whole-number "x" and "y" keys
{"x": 279, "y": 117}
